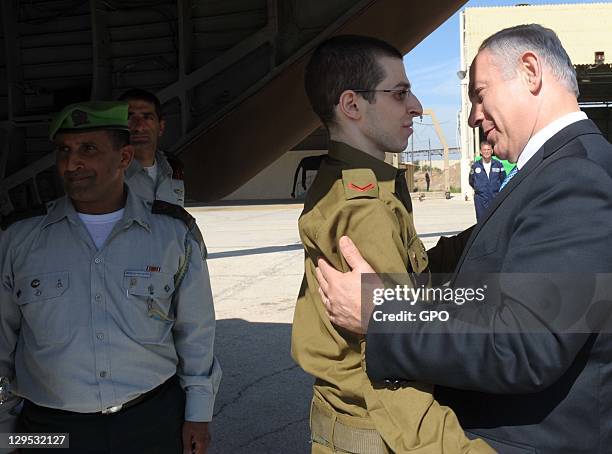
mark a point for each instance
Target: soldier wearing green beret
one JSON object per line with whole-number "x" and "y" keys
{"x": 152, "y": 174}
{"x": 359, "y": 89}
{"x": 106, "y": 313}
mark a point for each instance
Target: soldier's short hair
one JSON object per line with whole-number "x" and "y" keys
{"x": 142, "y": 95}
{"x": 343, "y": 63}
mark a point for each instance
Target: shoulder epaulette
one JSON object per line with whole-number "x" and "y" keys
{"x": 16, "y": 216}
{"x": 174, "y": 211}
{"x": 178, "y": 168}
{"x": 180, "y": 213}
{"x": 359, "y": 183}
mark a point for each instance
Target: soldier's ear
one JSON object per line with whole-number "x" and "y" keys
{"x": 349, "y": 105}
{"x": 162, "y": 128}
{"x": 127, "y": 154}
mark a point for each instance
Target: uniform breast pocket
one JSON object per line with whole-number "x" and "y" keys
{"x": 45, "y": 306}
{"x": 148, "y": 313}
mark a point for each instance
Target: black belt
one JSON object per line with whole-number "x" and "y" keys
{"x": 128, "y": 404}
{"x": 116, "y": 408}
{"x": 139, "y": 399}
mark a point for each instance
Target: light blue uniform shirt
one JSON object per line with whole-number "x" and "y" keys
{"x": 83, "y": 329}
{"x": 166, "y": 188}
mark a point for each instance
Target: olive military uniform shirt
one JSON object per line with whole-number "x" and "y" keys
{"x": 169, "y": 186}
{"x": 360, "y": 196}
{"x": 84, "y": 329}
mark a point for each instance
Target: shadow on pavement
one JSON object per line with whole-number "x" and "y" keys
{"x": 434, "y": 234}
{"x": 263, "y": 402}
{"x": 257, "y": 250}
{"x": 245, "y": 202}
{"x": 295, "y": 247}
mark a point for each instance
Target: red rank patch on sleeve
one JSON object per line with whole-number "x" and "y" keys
{"x": 365, "y": 188}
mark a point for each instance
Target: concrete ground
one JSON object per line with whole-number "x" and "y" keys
{"x": 256, "y": 265}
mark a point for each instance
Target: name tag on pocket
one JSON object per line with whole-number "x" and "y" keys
{"x": 137, "y": 273}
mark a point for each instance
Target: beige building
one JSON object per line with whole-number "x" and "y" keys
{"x": 584, "y": 30}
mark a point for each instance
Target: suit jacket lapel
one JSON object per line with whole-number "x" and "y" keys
{"x": 550, "y": 146}
{"x": 499, "y": 198}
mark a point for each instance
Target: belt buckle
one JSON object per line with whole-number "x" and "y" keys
{"x": 111, "y": 410}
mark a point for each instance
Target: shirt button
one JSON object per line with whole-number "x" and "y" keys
{"x": 103, "y": 374}
{"x": 98, "y": 260}
{"x": 100, "y": 336}
{"x": 98, "y": 297}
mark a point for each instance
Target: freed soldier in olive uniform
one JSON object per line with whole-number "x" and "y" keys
{"x": 359, "y": 89}
{"x": 106, "y": 314}
{"x": 151, "y": 174}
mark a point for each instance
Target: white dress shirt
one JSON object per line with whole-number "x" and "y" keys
{"x": 540, "y": 138}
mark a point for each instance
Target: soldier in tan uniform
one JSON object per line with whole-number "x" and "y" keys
{"x": 359, "y": 89}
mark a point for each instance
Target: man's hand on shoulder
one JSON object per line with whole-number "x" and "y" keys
{"x": 341, "y": 292}
{"x": 196, "y": 437}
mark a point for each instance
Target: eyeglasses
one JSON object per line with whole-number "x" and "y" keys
{"x": 398, "y": 93}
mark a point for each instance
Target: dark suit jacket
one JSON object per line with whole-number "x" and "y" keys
{"x": 532, "y": 391}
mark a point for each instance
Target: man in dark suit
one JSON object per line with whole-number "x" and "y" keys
{"x": 524, "y": 383}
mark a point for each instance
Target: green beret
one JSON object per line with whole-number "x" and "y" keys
{"x": 89, "y": 116}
